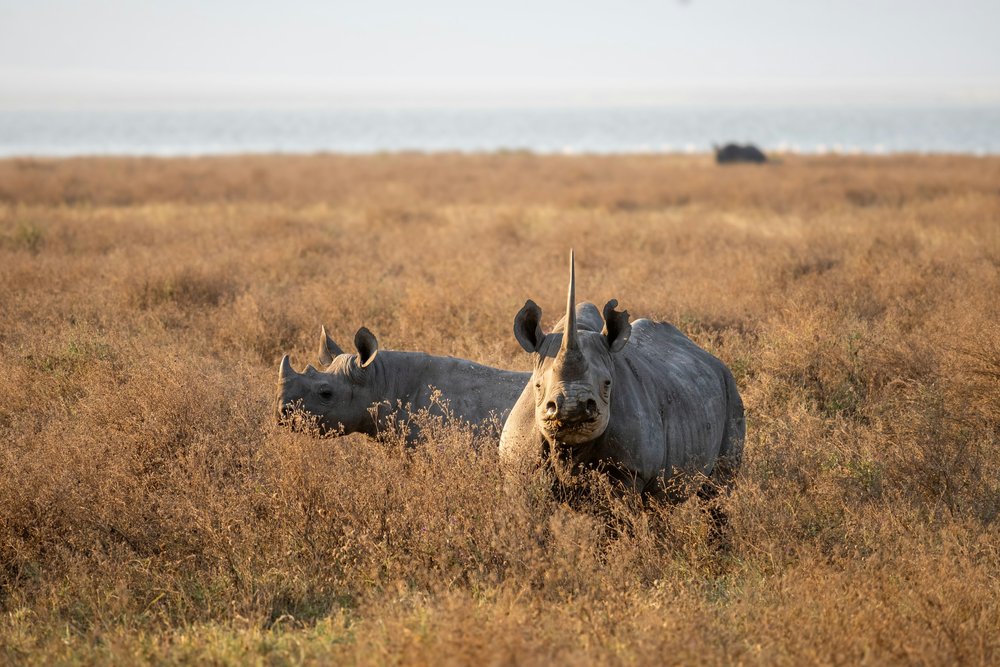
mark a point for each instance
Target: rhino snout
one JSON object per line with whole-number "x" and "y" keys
{"x": 570, "y": 406}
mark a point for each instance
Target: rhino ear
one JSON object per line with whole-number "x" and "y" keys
{"x": 616, "y": 326}
{"x": 327, "y": 348}
{"x": 367, "y": 346}
{"x": 528, "y": 326}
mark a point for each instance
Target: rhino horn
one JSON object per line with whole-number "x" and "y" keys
{"x": 569, "y": 341}
{"x": 285, "y": 371}
{"x": 328, "y": 349}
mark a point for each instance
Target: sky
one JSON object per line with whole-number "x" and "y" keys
{"x": 451, "y": 52}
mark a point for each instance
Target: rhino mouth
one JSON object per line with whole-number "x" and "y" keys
{"x": 569, "y": 423}
{"x": 573, "y": 431}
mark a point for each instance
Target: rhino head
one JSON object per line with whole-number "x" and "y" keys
{"x": 340, "y": 397}
{"x": 574, "y": 371}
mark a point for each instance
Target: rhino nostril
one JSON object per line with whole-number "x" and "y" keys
{"x": 551, "y": 409}
{"x": 591, "y": 406}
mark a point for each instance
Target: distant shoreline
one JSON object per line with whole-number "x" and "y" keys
{"x": 850, "y": 130}
{"x": 500, "y": 152}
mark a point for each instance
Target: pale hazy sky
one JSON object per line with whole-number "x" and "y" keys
{"x": 454, "y": 52}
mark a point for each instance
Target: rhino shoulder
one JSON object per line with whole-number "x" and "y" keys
{"x": 647, "y": 333}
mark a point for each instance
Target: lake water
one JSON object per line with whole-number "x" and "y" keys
{"x": 947, "y": 129}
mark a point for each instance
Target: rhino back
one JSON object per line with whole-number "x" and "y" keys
{"x": 473, "y": 392}
{"x": 669, "y": 406}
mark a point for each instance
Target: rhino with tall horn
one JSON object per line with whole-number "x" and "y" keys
{"x": 639, "y": 400}
{"x": 375, "y": 390}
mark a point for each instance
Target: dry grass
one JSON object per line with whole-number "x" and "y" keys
{"x": 151, "y": 512}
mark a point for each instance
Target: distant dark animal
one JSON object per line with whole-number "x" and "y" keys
{"x": 374, "y": 392}
{"x": 735, "y": 153}
{"x": 637, "y": 400}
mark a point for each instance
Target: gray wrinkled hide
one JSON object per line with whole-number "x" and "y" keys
{"x": 383, "y": 394}
{"x": 675, "y": 411}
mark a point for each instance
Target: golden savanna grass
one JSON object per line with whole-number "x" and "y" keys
{"x": 151, "y": 511}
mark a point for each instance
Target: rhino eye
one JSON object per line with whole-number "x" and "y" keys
{"x": 325, "y": 394}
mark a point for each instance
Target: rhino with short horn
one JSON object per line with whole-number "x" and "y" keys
{"x": 375, "y": 390}
{"x": 639, "y": 400}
